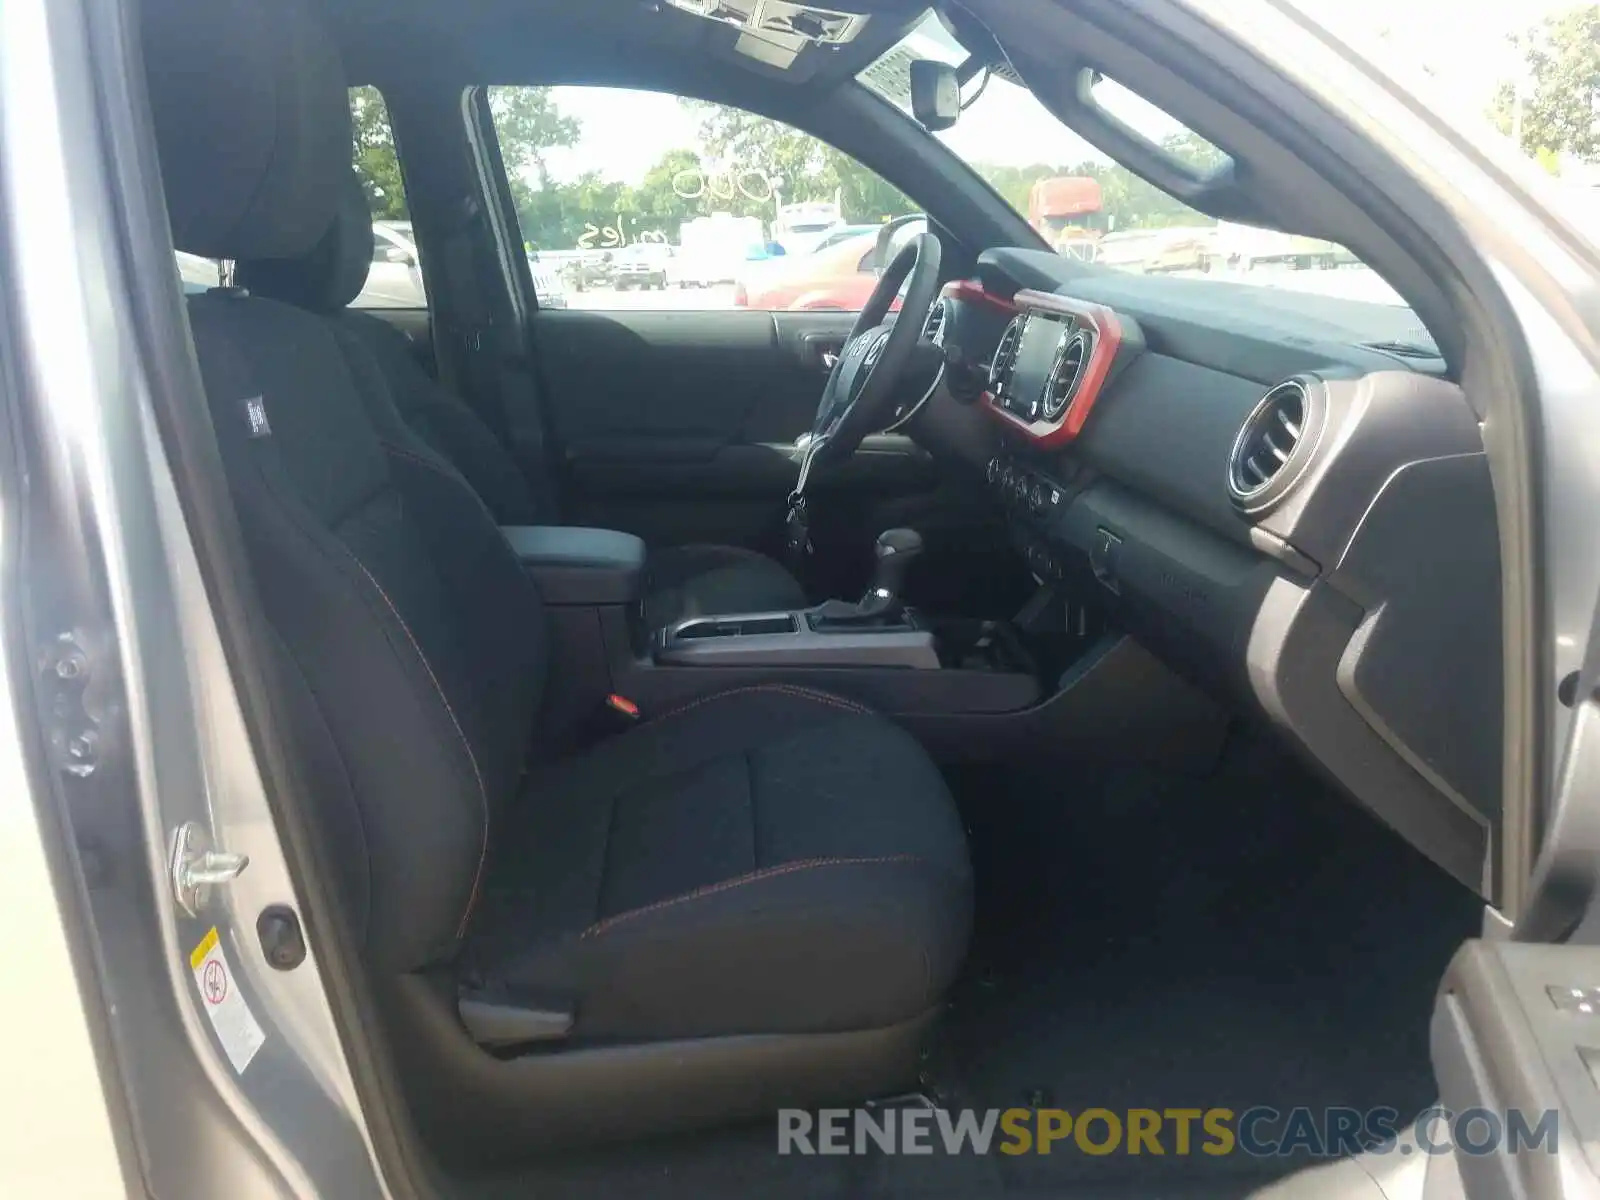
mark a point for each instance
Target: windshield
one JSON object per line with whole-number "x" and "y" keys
{"x": 1089, "y": 207}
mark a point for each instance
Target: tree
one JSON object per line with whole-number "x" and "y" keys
{"x": 1193, "y": 150}
{"x": 1126, "y": 201}
{"x": 1561, "y": 92}
{"x": 661, "y": 196}
{"x": 375, "y": 159}
{"x": 528, "y": 122}
{"x": 865, "y": 197}
{"x": 745, "y": 146}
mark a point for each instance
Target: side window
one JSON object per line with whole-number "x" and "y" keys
{"x": 632, "y": 199}
{"x": 395, "y": 279}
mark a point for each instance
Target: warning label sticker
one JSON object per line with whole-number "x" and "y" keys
{"x": 236, "y": 1025}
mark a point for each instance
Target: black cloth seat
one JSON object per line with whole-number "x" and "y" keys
{"x": 762, "y": 860}
{"x": 681, "y": 581}
{"x": 747, "y": 901}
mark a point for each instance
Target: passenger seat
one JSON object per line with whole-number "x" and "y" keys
{"x": 756, "y": 900}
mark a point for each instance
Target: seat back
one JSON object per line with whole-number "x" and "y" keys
{"x": 411, "y": 642}
{"x": 326, "y": 279}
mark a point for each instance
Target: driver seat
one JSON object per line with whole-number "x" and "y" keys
{"x": 680, "y": 581}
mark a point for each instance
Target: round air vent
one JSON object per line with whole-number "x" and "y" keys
{"x": 938, "y": 317}
{"x": 1005, "y": 356}
{"x": 1274, "y": 445}
{"x": 1067, "y": 373}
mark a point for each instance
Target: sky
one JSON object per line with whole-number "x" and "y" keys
{"x": 1462, "y": 44}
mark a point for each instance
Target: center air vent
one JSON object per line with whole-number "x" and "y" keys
{"x": 1274, "y": 446}
{"x": 1005, "y": 357}
{"x": 933, "y": 329}
{"x": 1067, "y": 374}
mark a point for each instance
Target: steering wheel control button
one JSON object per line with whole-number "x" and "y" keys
{"x": 1103, "y": 554}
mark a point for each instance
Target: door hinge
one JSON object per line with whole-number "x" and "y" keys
{"x": 196, "y": 867}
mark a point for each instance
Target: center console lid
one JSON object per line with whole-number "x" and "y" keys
{"x": 577, "y": 566}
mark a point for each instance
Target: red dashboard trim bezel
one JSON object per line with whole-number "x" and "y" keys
{"x": 973, "y": 292}
{"x": 1108, "y": 337}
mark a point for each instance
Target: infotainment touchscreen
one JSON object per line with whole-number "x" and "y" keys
{"x": 1036, "y": 354}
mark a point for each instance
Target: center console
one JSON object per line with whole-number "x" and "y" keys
{"x": 877, "y": 631}
{"x": 1044, "y": 682}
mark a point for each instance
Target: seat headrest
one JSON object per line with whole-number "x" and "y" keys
{"x": 329, "y": 275}
{"x": 252, "y": 123}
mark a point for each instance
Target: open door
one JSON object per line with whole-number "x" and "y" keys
{"x": 1516, "y": 1026}
{"x": 1516, "y": 1051}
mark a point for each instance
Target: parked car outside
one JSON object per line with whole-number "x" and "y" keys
{"x": 641, "y": 266}
{"x": 1182, "y": 248}
{"x": 1126, "y": 250}
{"x": 589, "y": 270}
{"x": 395, "y": 278}
{"x": 840, "y": 277}
{"x": 842, "y": 234}
{"x": 548, "y": 287}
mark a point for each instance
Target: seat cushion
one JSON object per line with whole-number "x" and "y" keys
{"x": 767, "y": 860}
{"x": 697, "y": 581}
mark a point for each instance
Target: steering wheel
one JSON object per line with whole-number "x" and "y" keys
{"x": 860, "y": 394}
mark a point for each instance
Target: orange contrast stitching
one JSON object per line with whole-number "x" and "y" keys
{"x": 483, "y": 792}
{"x": 787, "y": 689}
{"x": 753, "y": 877}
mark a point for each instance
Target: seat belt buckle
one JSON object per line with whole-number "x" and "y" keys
{"x": 615, "y": 714}
{"x": 625, "y": 711}
{"x": 797, "y": 528}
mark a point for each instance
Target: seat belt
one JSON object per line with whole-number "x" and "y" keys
{"x": 490, "y": 365}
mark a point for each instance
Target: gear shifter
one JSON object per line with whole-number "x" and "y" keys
{"x": 882, "y": 606}
{"x": 896, "y": 550}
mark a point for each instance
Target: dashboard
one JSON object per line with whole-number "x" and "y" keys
{"x": 1299, "y": 522}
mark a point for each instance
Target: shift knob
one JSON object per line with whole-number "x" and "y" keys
{"x": 896, "y": 548}
{"x": 906, "y": 543}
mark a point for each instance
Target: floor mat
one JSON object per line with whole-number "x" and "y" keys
{"x": 1150, "y": 941}
{"x": 1144, "y": 940}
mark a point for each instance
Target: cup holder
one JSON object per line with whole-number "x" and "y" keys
{"x": 726, "y": 627}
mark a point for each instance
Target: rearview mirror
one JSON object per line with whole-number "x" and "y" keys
{"x": 935, "y": 94}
